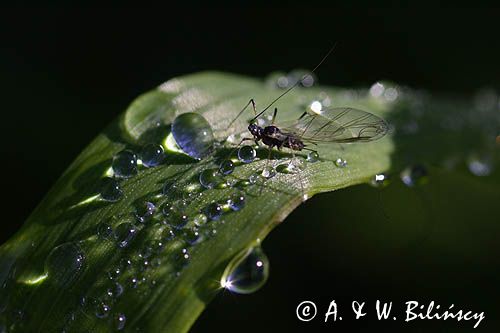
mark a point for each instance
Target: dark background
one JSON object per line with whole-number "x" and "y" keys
{"x": 65, "y": 73}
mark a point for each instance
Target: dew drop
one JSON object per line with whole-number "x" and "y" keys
{"x": 110, "y": 190}
{"x": 380, "y": 180}
{"x": 167, "y": 234}
{"x": 124, "y": 164}
{"x": 312, "y": 157}
{"x": 176, "y": 218}
{"x": 152, "y": 155}
{"x": 226, "y": 167}
{"x": 145, "y": 211}
{"x": 214, "y": 211}
{"x": 120, "y": 320}
{"x": 193, "y": 134}
{"x": 414, "y": 175}
{"x": 340, "y": 162}
{"x": 268, "y": 172}
{"x": 169, "y": 188}
{"x": 246, "y": 154}
{"x": 64, "y": 264}
{"x": 210, "y": 178}
{"x": 114, "y": 273}
{"x": 200, "y": 219}
{"x": 104, "y": 230}
{"x": 254, "y": 178}
{"x": 236, "y": 202}
{"x": 183, "y": 258}
{"x": 192, "y": 236}
{"x": 115, "y": 291}
{"x": 124, "y": 234}
{"x": 102, "y": 310}
{"x": 247, "y": 273}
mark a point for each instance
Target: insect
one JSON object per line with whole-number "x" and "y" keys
{"x": 332, "y": 125}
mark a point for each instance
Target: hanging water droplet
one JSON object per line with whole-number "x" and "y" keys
{"x": 64, "y": 264}
{"x": 268, "y": 172}
{"x": 152, "y": 155}
{"x": 124, "y": 234}
{"x": 340, "y": 162}
{"x": 236, "y": 202}
{"x": 104, "y": 230}
{"x": 246, "y": 154}
{"x": 226, "y": 167}
{"x": 145, "y": 211}
{"x": 312, "y": 157}
{"x": 380, "y": 180}
{"x": 120, "y": 321}
{"x": 247, "y": 273}
{"x": 110, "y": 190}
{"x": 124, "y": 164}
{"x": 192, "y": 236}
{"x": 414, "y": 175}
{"x": 193, "y": 134}
{"x": 200, "y": 219}
{"x": 214, "y": 211}
{"x": 210, "y": 178}
{"x": 102, "y": 310}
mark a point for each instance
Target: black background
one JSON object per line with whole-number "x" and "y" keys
{"x": 65, "y": 73}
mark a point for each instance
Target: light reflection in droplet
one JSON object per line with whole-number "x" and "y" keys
{"x": 377, "y": 89}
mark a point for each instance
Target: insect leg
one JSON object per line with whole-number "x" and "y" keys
{"x": 266, "y": 165}
{"x": 274, "y": 115}
{"x": 252, "y": 102}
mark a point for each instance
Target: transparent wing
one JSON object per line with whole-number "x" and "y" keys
{"x": 342, "y": 125}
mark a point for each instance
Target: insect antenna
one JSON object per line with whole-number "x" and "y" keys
{"x": 296, "y": 83}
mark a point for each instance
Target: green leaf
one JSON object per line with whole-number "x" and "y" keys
{"x": 44, "y": 293}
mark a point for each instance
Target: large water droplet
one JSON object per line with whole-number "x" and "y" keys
{"x": 152, "y": 155}
{"x": 226, "y": 167}
{"x": 246, "y": 154}
{"x": 110, "y": 190}
{"x": 193, "y": 134}
{"x": 247, "y": 273}
{"x": 124, "y": 164}
{"x": 124, "y": 234}
{"x": 64, "y": 264}
{"x": 414, "y": 175}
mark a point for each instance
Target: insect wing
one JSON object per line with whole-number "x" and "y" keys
{"x": 342, "y": 125}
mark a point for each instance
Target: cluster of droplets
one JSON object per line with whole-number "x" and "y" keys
{"x": 304, "y": 78}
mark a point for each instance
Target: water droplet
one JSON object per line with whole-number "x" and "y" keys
{"x": 200, "y": 219}
{"x": 124, "y": 164}
{"x": 268, "y": 172}
{"x": 294, "y": 166}
{"x": 214, "y": 211}
{"x": 104, "y": 230}
{"x": 115, "y": 291}
{"x": 64, "y": 264}
{"x": 391, "y": 94}
{"x": 247, "y": 273}
{"x": 236, "y": 202}
{"x": 306, "y": 77}
{"x": 120, "y": 320}
{"x": 152, "y": 155}
{"x": 193, "y": 134}
{"x": 312, "y": 157}
{"x": 480, "y": 166}
{"x": 167, "y": 234}
{"x": 246, "y": 154}
{"x": 169, "y": 188}
{"x": 124, "y": 234}
{"x": 134, "y": 282}
{"x": 414, "y": 175}
{"x": 102, "y": 310}
{"x": 176, "y": 217}
{"x": 377, "y": 89}
{"x": 254, "y": 178}
{"x": 340, "y": 162}
{"x": 226, "y": 167}
{"x": 145, "y": 211}
{"x": 192, "y": 236}
{"x": 110, "y": 190}
{"x": 210, "y": 178}
{"x": 316, "y": 107}
{"x": 183, "y": 258}
{"x": 380, "y": 180}
{"x": 114, "y": 273}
